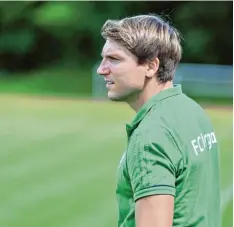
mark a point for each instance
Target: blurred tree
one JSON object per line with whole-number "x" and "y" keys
{"x": 34, "y": 34}
{"x": 207, "y": 31}
{"x": 21, "y": 41}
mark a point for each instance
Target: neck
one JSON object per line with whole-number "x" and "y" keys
{"x": 151, "y": 88}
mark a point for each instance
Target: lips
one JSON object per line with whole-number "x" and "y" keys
{"x": 109, "y": 82}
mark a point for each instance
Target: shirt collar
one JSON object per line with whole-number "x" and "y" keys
{"x": 175, "y": 90}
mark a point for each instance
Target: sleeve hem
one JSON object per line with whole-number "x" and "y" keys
{"x": 156, "y": 190}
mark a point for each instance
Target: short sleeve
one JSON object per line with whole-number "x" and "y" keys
{"x": 152, "y": 164}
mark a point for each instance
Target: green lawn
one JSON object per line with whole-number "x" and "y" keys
{"x": 59, "y": 157}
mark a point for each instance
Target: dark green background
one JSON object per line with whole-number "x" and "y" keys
{"x": 50, "y": 47}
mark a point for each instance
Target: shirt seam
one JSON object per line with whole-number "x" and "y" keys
{"x": 155, "y": 190}
{"x": 179, "y": 93}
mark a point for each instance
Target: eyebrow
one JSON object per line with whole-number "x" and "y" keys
{"x": 110, "y": 54}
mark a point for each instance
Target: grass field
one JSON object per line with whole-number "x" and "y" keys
{"x": 59, "y": 157}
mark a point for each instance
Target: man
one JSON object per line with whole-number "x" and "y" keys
{"x": 169, "y": 174}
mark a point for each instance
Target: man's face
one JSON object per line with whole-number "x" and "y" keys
{"x": 124, "y": 77}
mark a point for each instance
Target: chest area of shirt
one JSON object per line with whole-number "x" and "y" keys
{"x": 123, "y": 181}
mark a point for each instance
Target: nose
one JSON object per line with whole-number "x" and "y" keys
{"x": 103, "y": 70}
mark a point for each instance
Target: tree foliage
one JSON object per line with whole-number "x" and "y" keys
{"x": 34, "y": 34}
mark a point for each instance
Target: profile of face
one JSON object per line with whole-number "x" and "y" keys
{"x": 124, "y": 77}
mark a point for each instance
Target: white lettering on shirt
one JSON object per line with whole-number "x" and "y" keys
{"x": 202, "y": 142}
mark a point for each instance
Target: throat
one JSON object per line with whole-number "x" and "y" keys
{"x": 136, "y": 101}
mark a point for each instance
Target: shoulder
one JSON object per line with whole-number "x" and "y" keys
{"x": 155, "y": 140}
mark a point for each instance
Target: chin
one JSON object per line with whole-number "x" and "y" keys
{"x": 117, "y": 98}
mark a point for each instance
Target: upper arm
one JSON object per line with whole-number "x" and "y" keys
{"x": 155, "y": 211}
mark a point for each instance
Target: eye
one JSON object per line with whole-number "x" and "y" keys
{"x": 113, "y": 58}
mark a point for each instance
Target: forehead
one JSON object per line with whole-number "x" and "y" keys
{"x": 112, "y": 47}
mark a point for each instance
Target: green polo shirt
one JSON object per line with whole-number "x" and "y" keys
{"x": 172, "y": 150}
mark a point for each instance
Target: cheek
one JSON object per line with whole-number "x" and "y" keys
{"x": 140, "y": 73}
{"x": 137, "y": 76}
{"x": 128, "y": 73}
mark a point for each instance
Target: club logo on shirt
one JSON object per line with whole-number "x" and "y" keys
{"x": 203, "y": 141}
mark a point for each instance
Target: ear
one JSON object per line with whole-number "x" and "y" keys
{"x": 152, "y": 68}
